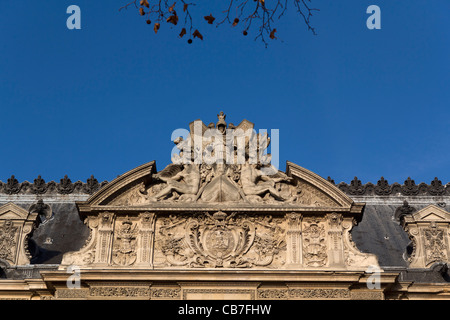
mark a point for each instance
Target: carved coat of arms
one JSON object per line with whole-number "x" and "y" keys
{"x": 124, "y": 251}
{"x": 220, "y": 240}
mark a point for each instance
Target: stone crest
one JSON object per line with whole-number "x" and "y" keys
{"x": 219, "y": 240}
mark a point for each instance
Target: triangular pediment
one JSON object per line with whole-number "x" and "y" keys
{"x": 432, "y": 213}
{"x": 11, "y": 211}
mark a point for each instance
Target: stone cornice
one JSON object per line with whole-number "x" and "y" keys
{"x": 40, "y": 187}
{"x": 383, "y": 188}
{"x": 354, "y": 188}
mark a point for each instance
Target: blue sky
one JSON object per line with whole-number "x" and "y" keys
{"x": 104, "y": 99}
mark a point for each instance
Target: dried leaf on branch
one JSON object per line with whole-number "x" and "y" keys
{"x": 156, "y": 27}
{"x": 210, "y": 18}
{"x": 197, "y": 34}
{"x": 258, "y": 16}
{"x": 173, "y": 19}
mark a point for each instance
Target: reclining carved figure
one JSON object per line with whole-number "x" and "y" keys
{"x": 185, "y": 182}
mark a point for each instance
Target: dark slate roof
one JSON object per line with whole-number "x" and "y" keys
{"x": 62, "y": 233}
{"x": 379, "y": 233}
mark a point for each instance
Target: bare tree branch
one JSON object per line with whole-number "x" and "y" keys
{"x": 261, "y": 15}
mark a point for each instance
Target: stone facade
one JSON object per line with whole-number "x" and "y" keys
{"x": 219, "y": 230}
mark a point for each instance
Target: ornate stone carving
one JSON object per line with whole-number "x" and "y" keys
{"x": 356, "y": 187}
{"x": 187, "y": 188}
{"x": 213, "y": 214}
{"x": 410, "y": 188}
{"x": 428, "y": 230}
{"x": 335, "y": 240}
{"x": 367, "y": 295}
{"x": 314, "y": 244}
{"x": 124, "y": 250}
{"x": 120, "y": 291}
{"x": 43, "y": 210}
{"x": 352, "y": 256}
{"x": 294, "y": 239}
{"x": 220, "y": 240}
{"x": 81, "y": 293}
{"x": 435, "y": 245}
{"x": 8, "y": 240}
{"x": 86, "y": 255}
{"x": 304, "y": 194}
{"x": 16, "y": 226}
{"x": 319, "y": 293}
{"x": 91, "y": 185}
{"x": 436, "y": 188}
{"x": 165, "y": 293}
{"x": 273, "y": 294}
{"x": 105, "y": 236}
{"x": 146, "y": 232}
{"x": 65, "y": 186}
{"x": 12, "y": 186}
{"x": 198, "y": 175}
{"x": 219, "y": 183}
{"x": 382, "y": 188}
{"x": 39, "y": 186}
{"x": 405, "y": 209}
{"x": 116, "y": 241}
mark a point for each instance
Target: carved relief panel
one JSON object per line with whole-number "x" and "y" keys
{"x": 117, "y": 241}
{"x": 429, "y": 231}
{"x": 220, "y": 240}
{"x": 16, "y": 226}
{"x": 220, "y": 214}
{"x": 314, "y": 242}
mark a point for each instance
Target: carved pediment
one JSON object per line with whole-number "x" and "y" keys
{"x": 16, "y": 225}
{"x": 431, "y": 213}
{"x": 123, "y": 184}
{"x": 13, "y": 212}
{"x": 242, "y": 213}
{"x": 228, "y": 185}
